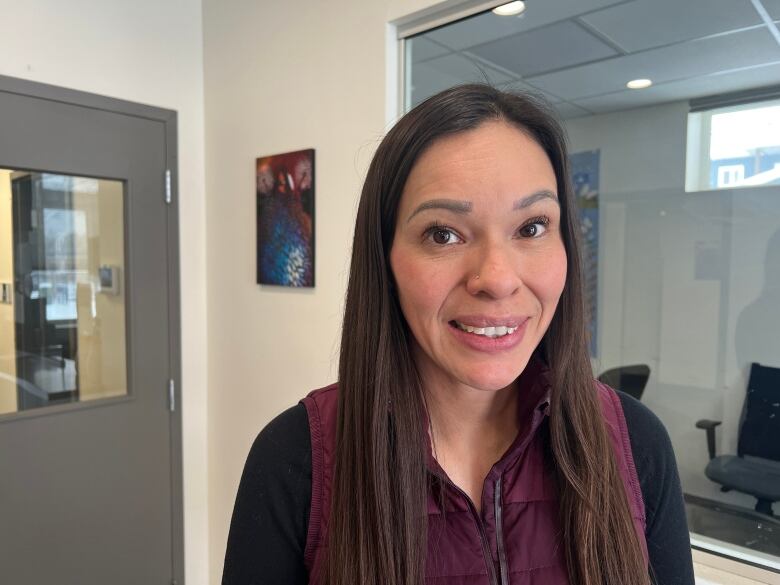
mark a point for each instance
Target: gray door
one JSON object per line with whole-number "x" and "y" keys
{"x": 90, "y": 464}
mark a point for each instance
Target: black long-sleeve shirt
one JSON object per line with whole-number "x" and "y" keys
{"x": 271, "y": 516}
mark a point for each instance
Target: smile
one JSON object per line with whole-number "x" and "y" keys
{"x": 492, "y": 332}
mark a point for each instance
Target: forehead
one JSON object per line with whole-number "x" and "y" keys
{"x": 495, "y": 159}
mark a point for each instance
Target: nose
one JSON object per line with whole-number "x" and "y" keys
{"x": 498, "y": 267}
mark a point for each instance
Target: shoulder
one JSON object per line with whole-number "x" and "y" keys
{"x": 321, "y": 406}
{"x": 328, "y": 392}
{"x": 645, "y": 429}
{"x": 268, "y": 528}
{"x": 653, "y": 455}
{"x": 283, "y": 441}
{"x": 321, "y": 399}
{"x": 666, "y": 528}
{"x": 289, "y": 422}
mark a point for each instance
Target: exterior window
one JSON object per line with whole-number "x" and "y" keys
{"x": 736, "y": 146}
{"x": 730, "y": 175}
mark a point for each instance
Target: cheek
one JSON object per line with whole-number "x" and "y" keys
{"x": 551, "y": 278}
{"x": 405, "y": 274}
{"x": 421, "y": 285}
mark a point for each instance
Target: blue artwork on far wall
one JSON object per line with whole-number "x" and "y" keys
{"x": 585, "y": 180}
{"x": 285, "y": 219}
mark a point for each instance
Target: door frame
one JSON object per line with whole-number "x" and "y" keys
{"x": 168, "y": 118}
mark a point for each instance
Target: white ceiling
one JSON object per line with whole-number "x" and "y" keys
{"x": 581, "y": 53}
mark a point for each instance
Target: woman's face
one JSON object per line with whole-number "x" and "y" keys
{"x": 477, "y": 255}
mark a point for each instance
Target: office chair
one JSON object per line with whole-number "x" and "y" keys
{"x": 755, "y": 469}
{"x": 629, "y": 379}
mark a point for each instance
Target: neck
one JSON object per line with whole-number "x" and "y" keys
{"x": 466, "y": 421}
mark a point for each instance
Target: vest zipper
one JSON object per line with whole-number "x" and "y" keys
{"x": 482, "y": 536}
{"x": 500, "y": 533}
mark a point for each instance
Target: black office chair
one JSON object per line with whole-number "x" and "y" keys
{"x": 629, "y": 379}
{"x": 752, "y": 470}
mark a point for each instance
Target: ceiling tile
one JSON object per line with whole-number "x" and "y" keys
{"x": 567, "y": 111}
{"x": 520, "y": 87}
{"x": 643, "y": 24}
{"x": 687, "y": 89}
{"x": 435, "y": 75}
{"x": 427, "y": 81}
{"x": 556, "y": 34}
{"x": 772, "y": 7}
{"x": 423, "y": 49}
{"x": 466, "y": 70}
{"x": 543, "y": 49}
{"x": 706, "y": 56}
{"x": 488, "y": 27}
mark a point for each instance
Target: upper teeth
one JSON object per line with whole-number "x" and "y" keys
{"x": 499, "y": 331}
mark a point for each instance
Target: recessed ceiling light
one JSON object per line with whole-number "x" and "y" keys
{"x": 639, "y": 83}
{"x": 510, "y": 9}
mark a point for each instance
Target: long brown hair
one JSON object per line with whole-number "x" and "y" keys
{"x": 377, "y": 528}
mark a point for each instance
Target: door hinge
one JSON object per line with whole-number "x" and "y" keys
{"x": 167, "y": 185}
{"x": 171, "y": 396}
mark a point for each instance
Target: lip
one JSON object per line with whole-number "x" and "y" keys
{"x": 486, "y": 321}
{"x": 486, "y": 344}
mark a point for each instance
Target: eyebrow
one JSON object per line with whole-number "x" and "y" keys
{"x": 533, "y": 198}
{"x": 463, "y": 207}
{"x": 453, "y": 205}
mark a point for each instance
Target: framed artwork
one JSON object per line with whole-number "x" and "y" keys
{"x": 585, "y": 177}
{"x": 285, "y": 219}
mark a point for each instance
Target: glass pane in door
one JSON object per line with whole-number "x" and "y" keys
{"x": 62, "y": 297}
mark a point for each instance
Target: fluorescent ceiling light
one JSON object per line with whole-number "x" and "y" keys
{"x": 639, "y": 83}
{"x": 510, "y": 9}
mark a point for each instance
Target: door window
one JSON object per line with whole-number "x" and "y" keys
{"x": 62, "y": 299}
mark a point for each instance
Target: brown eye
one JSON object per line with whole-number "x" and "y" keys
{"x": 533, "y": 229}
{"x": 529, "y": 231}
{"x": 442, "y": 236}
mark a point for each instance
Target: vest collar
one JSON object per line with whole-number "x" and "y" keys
{"x": 533, "y": 408}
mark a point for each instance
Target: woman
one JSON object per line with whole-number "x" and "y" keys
{"x": 466, "y": 441}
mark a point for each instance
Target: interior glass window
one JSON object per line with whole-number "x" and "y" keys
{"x": 62, "y": 295}
{"x": 682, "y": 261}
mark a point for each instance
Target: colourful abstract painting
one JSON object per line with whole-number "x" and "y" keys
{"x": 585, "y": 179}
{"x": 285, "y": 219}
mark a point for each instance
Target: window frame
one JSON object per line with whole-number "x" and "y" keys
{"x": 698, "y": 164}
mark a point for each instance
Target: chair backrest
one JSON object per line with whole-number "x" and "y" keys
{"x": 630, "y": 379}
{"x": 759, "y": 433}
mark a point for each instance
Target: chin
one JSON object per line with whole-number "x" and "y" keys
{"x": 490, "y": 382}
{"x": 493, "y": 377}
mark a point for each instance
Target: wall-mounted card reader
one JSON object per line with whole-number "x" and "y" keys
{"x": 6, "y": 293}
{"x": 109, "y": 279}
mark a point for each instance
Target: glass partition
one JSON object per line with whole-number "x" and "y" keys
{"x": 684, "y": 286}
{"x": 62, "y": 299}
{"x": 689, "y": 290}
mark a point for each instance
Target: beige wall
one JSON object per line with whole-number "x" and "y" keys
{"x": 7, "y": 341}
{"x": 150, "y": 52}
{"x": 281, "y": 76}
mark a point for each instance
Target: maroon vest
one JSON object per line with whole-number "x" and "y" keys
{"x": 515, "y": 539}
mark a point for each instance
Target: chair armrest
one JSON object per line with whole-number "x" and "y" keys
{"x": 709, "y": 426}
